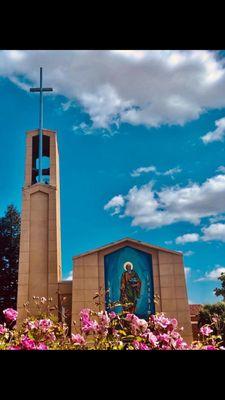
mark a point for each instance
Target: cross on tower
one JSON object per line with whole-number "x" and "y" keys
{"x": 41, "y": 90}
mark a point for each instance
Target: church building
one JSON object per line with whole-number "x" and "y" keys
{"x": 148, "y": 278}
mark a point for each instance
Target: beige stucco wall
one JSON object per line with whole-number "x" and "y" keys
{"x": 40, "y": 242}
{"x": 168, "y": 276}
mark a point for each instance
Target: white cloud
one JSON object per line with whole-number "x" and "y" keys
{"x": 221, "y": 169}
{"x": 143, "y": 170}
{"x": 187, "y": 238}
{"x": 214, "y": 232}
{"x": 168, "y": 241}
{"x": 172, "y": 171}
{"x": 151, "y": 168}
{"x": 218, "y": 134}
{"x": 189, "y": 253}
{"x": 212, "y": 275}
{"x": 150, "y": 209}
{"x": 150, "y": 87}
{"x": 22, "y": 85}
{"x": 83, "y": 128}
{"x": 70, "y": 276}
{"x": 116, "y": 203}
{"x": 187, "y": 271}
{"x": 65, "y": 106}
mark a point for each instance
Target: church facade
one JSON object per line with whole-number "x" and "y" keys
{"x": 147, "y": 278}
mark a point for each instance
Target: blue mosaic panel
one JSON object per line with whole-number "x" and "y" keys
{"x": 133, "y": 283}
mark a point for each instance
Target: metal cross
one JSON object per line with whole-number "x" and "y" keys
{"x": 41, "y": 90}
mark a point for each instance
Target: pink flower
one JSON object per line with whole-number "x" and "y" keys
{"x": 28, "y": 344}
{"x": 209, "y": 347}
{"x": 164, "y": 338}
{"x": 14, "y": 348}
{"x": 115, "y": 333}
{"x": 142, "y": 324}
{"x": 104, "y": 319}
{"x": 42, "y": 346}
{"x": 152, "y": 339}
{"x": 77, "y": 339}
{"x": 90, "y": 327}
{"x": 112, "y": 315}
{"x": 175, "y": 335}
{"x": 85, "y": 314}
{"x": 104, "y": 323}
{"x": 3, "y": 329}
{"x": 140, "y": 346}
{"x": 45, "y": 324}
{"x": 137, "y": 324}
{"x": 179, "y": 344}
{"x": 10, "y": 314}
{"x": 160, "y": 320}
{"x": 174, "y": 323}
{"x": 32, "y": 325}
{"x": 206, "y": 330}
{"x": 165, "y": 347}
{"x": 130, "y": 317}
{"x": 87, "y": 325}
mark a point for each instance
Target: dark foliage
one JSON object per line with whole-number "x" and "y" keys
{"x": 221, "y": 291}
{"x": 214, "y": 313}
{"x": 9, "y": 257}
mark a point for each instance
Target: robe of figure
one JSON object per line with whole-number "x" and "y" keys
{"x": 130, "y": 288}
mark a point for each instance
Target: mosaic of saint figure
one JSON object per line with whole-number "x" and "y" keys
{"x": 130, "y": 287}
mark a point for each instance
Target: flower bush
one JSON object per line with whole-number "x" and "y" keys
{"x": 101, "y": 331}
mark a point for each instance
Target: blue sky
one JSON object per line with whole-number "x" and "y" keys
{"x": 141, "y": 141}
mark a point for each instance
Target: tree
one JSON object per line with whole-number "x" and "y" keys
{"x": 215, "y": 313}
{"x": 221, "y": 291}
{"x": 9, "y": 257}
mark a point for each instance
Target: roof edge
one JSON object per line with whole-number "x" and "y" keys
{"x": 97, "y": 249}
{"x": 37, "y": 129}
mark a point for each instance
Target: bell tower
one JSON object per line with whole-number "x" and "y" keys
{"x": 40, "y": 241}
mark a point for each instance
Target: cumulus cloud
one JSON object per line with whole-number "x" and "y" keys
{"x": 212, "y": 275}
{"x": 214, "y": 232}
{"x": 150, "y": 87}
{"x": 115, "y": 203}
{"x": 151, "y": 209}
{"x": 187, "y": 238}
{"x": 143, "y": 170}
{"x": 217, "y": 135}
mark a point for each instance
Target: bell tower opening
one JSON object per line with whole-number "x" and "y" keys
{"x": 45, "y": 160}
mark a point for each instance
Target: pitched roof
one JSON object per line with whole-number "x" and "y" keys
{"x": 130, "y": 240}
